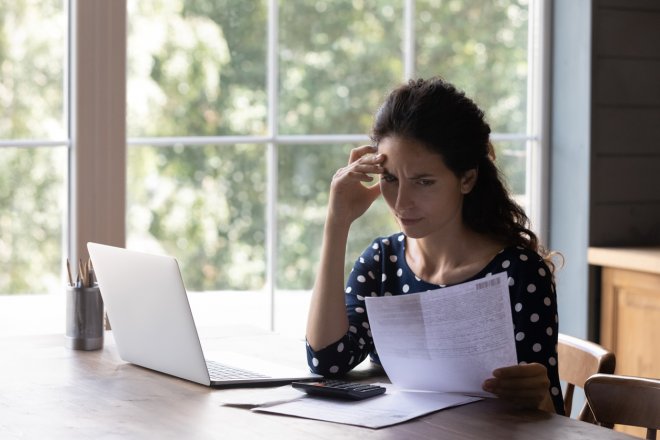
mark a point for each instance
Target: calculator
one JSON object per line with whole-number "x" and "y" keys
{"x": 340, "y": 389}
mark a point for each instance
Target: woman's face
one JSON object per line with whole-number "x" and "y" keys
{"x": 424, "y": 195}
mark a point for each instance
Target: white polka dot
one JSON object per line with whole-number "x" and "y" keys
{"x": 340, "y": 347}
{"x": 365, "y": 324}
{"x": 523, "y": 257}
{"x": 520, "y": 336}
{"x": 348, "y": 289}
{"x": 541, "y": 271}
{"x": 374, "y": 294}
{"x": 547, "y": 301}
{"x": 369, "y": 333}
{"x": 418, "y": 278}
{"x": 405, "y": 288}
{"x": 399, "y": 272}
{"x": 556, "y": 319}
{"x": 554, "y": 391}
{"x": 374, "y": 246}
{"x": 387, "y": 294}
{"x": 361, "y": 260}
{"x": 371, "y": 275}
{"x": 377, "y": 257}
{"x": 350, "y": 361}
{"x": 315, "y": 362}
{"x": 361, "y": 278}
{"x": 383, "y": 278}
{"x": 489, "y": 274}
{"x": 393, "y": 258}
{"x": 401, "y": 237}
{"x": 385, "y": 241}
{"x": 506, "y": 263}
{"x": 511, "y": 281}
{"x": 360, "y": 297}
{"x": 552, "y": 361}
{"x": 536, "y": 347}
{"x": 361, "y": 341}
{"x": 518, "y": 307}
{"x": 531, "y": 288}
{"x": 522, "y": 363}
{"x": 534, "y": 317}
{"x": 352, "y": 329}
{"x": 359, "y": 309}
{"x": 548, "y": 331}
{"x": 334, "y": 369}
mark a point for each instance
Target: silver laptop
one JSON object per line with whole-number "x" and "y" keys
{"x": 153, "y": 325}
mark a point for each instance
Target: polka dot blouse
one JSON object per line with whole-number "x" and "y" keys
{"x": 382, "y": 270}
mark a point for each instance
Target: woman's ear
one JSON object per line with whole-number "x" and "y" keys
{"x": 468, "y": 180}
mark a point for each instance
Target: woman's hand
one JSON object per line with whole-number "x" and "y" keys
{"x": 524, "y": 385}
{"x": 349, "y": 198}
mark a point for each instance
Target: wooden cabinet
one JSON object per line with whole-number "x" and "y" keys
{"x": 630, "y": 309}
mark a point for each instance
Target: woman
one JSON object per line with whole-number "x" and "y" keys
{"x": 432, "y": 152}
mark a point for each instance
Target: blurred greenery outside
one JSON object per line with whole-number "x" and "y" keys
{"x": 199, "y": 68}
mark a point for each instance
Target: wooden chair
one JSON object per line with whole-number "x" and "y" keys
{"x": 626, "y": 400}
{"x": 578, "y": 360}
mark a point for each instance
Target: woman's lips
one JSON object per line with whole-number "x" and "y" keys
{"x": 409, "y": 221}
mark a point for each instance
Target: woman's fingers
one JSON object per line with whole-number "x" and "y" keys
{"x": 526, "y": 370}
{"x": 358, "y": 152}
{"x": 526, "y": 385}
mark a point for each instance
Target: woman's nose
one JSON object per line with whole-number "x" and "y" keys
{"x": 403, "y": 198}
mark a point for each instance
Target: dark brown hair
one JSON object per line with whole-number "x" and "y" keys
{"x": 449, "y": 123}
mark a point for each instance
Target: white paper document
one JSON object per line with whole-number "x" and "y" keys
{"x": 395, "y": 406}
{"x": 447, "y": 340}
{"x": 437, "y": 348}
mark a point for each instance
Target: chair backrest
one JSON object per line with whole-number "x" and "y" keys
{"x": 578, "y": 360}
{"x": 625, "y": 400}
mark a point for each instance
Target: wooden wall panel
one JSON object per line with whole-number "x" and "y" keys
{"x": 618, "y": 130}
{"x": 624, "y": 205}
{"x": 643, "y": 5}
{"x": 626, "y": 179}
{"x": 625, "y": 224}
{"x": 627, "y": 82}
{"x": 627, "y": 34}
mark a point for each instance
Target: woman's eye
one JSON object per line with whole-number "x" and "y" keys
{"x": 425, "y": 182}
{"x": 388, "y": 178}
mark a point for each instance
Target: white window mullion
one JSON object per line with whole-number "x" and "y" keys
{"x": 272, "y": 157}
{"x": 538, "y": 92}
{"x": 409, "y": 67}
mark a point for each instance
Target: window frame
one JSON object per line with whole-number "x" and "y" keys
{"x": 89, "y": 151}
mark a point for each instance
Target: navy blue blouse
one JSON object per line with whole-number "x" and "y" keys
{"x": 382, "y": 270}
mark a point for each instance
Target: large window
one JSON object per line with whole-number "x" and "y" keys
{"x": 33, "y": 145}
{"x": 229, "y": 98}
{"x": 238, "y": 114}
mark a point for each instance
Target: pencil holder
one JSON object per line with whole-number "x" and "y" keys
{"x": 84, "y": 318}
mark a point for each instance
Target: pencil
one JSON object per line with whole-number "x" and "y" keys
{"x": 68, "y": 270}
{"x": 81, "y": 273}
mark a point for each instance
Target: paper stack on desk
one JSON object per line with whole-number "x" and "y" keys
{"x": 395, "y": 406}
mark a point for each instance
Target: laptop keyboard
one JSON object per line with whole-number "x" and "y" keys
{"x": 219, "y": 371}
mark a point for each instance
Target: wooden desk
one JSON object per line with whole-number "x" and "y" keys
{"x": 49, "y": 391}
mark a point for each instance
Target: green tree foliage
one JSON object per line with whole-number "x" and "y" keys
{"x": 199, "y": 68}
{"x": 32, "y": 42}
